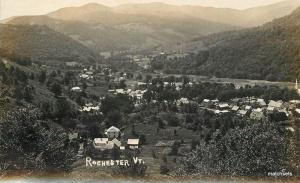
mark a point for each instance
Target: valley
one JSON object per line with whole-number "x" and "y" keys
{"x": 189, "y": 93}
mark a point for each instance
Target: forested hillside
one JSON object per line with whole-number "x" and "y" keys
{"x": 102, "y": 28}
{"x": 41, "y": 43}
{"x": 270, "y": 52}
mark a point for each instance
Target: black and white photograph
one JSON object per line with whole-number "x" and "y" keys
{"x": 149, "y": 91}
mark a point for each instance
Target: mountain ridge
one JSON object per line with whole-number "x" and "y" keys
{"x": 41, "y": 43}
{"x": 269, "y": 52}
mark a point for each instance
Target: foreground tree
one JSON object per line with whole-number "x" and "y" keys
{"x": 28, "y": 143}
{"x": 254, "y": 150}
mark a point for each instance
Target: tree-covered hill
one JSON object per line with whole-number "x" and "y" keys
{"x": 270, "y": 52}
{"x": 103, "y": 29}
{"x": 41, "y": 43}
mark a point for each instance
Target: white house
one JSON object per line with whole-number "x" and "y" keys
{"x": 76, "y": 89}
{"x": 275, "y": 104}
{"x": 223, "y": 106}
{"x": 72, "y": 64}
{"x": 247, "y": 108}
{"x": 133, "y": 143}
{"x": 235, "y": 108}
{"x": 183, "y": 101}
{"x": 261, "y": 102}
{"x": 257, "y": 115}
{"x": 113, "y": 132}
{"x": 242, "y": 112}
{"x": 103, "y": 144}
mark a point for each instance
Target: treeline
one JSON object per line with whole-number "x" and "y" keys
{"x": 206, "y": 90}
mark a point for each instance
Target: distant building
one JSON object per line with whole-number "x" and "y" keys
{"x": 103, "y": 144}
{"x": 261, "y": 102}
{"x": 113, "y": 132}
{"x": 243, "y": 112}
{"x": 72, "y": 64}
{"x": 296, "y": 87}
{"x": 257, "y": 115}
{"x": 276, "y": 105}
{"x": 106, "y": 55}
{"x": 224, "y": 106}
{"x": 247, "y": 108}
{"x": 235, "y": 108}
{"x": 183, "y": 101}
{"x": 133, "y": 143}
{"x": 73, "y": 136}
{"x": 76, "y": 89}
{"x": 270, "y": 108}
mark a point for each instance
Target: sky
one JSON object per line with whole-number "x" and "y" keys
{"x": 9, "y": 8}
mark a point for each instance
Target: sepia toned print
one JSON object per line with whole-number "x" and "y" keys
{"x": 149, "y": 91}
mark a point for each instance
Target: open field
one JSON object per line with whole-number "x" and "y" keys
{"x": 240, "y": 82}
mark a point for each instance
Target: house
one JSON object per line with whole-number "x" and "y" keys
{"x": 73, "y": 136}
{"x": 106, "y": 55}
{"x": 284, "y": 111}
{"x": 242, "y": 112}
{"x": 76, "y": 89}
{"x": 133, "y": 143}
{"x": 206, "y": 100}
{"x": 291, "y": 129}
{"x": 103, "y": 144}
{"x": 261, "y": 102}
{"x": 275, "y": 104}
{"x": 297, "y": 112}
{"x": 247, "y": 108}
{"x": 113, "y": 132}
{"x": 224, "y": 111}
{"x": 217, "y": 111}
{"x": 270, "y": 108}
{"x": 257, "y": 115}
{"x": 90, "y": 109}
{"x": 183, "y": 101}
{"x": 179, "y": 84}
{"x": 85, "y": 76}
{"x": 295, "y": 101}
{"x": 207, "y": 103}
{"x": 224, "y": 106}
{"x": 142, "y": 84}
{"x": 72, "y": 64}
{"x": 235, "y": 108}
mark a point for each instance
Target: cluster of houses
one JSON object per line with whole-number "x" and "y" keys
{"x": 113, "y": 142}
{"x": 108, "y": 146}
{"x": 138, "y": 94}
{"x": 252, "y": 107}
{"x": 90, "y": 107}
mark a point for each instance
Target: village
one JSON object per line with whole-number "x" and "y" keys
{"x": 161, "y": 143}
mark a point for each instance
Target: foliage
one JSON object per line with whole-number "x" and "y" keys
{"x": 28, "y": 143}
{"x": 134, "y": 169}
{"x": 255, "y": 149}
{"x": 269, "y": 52}
{"x": 120, "y": 102}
